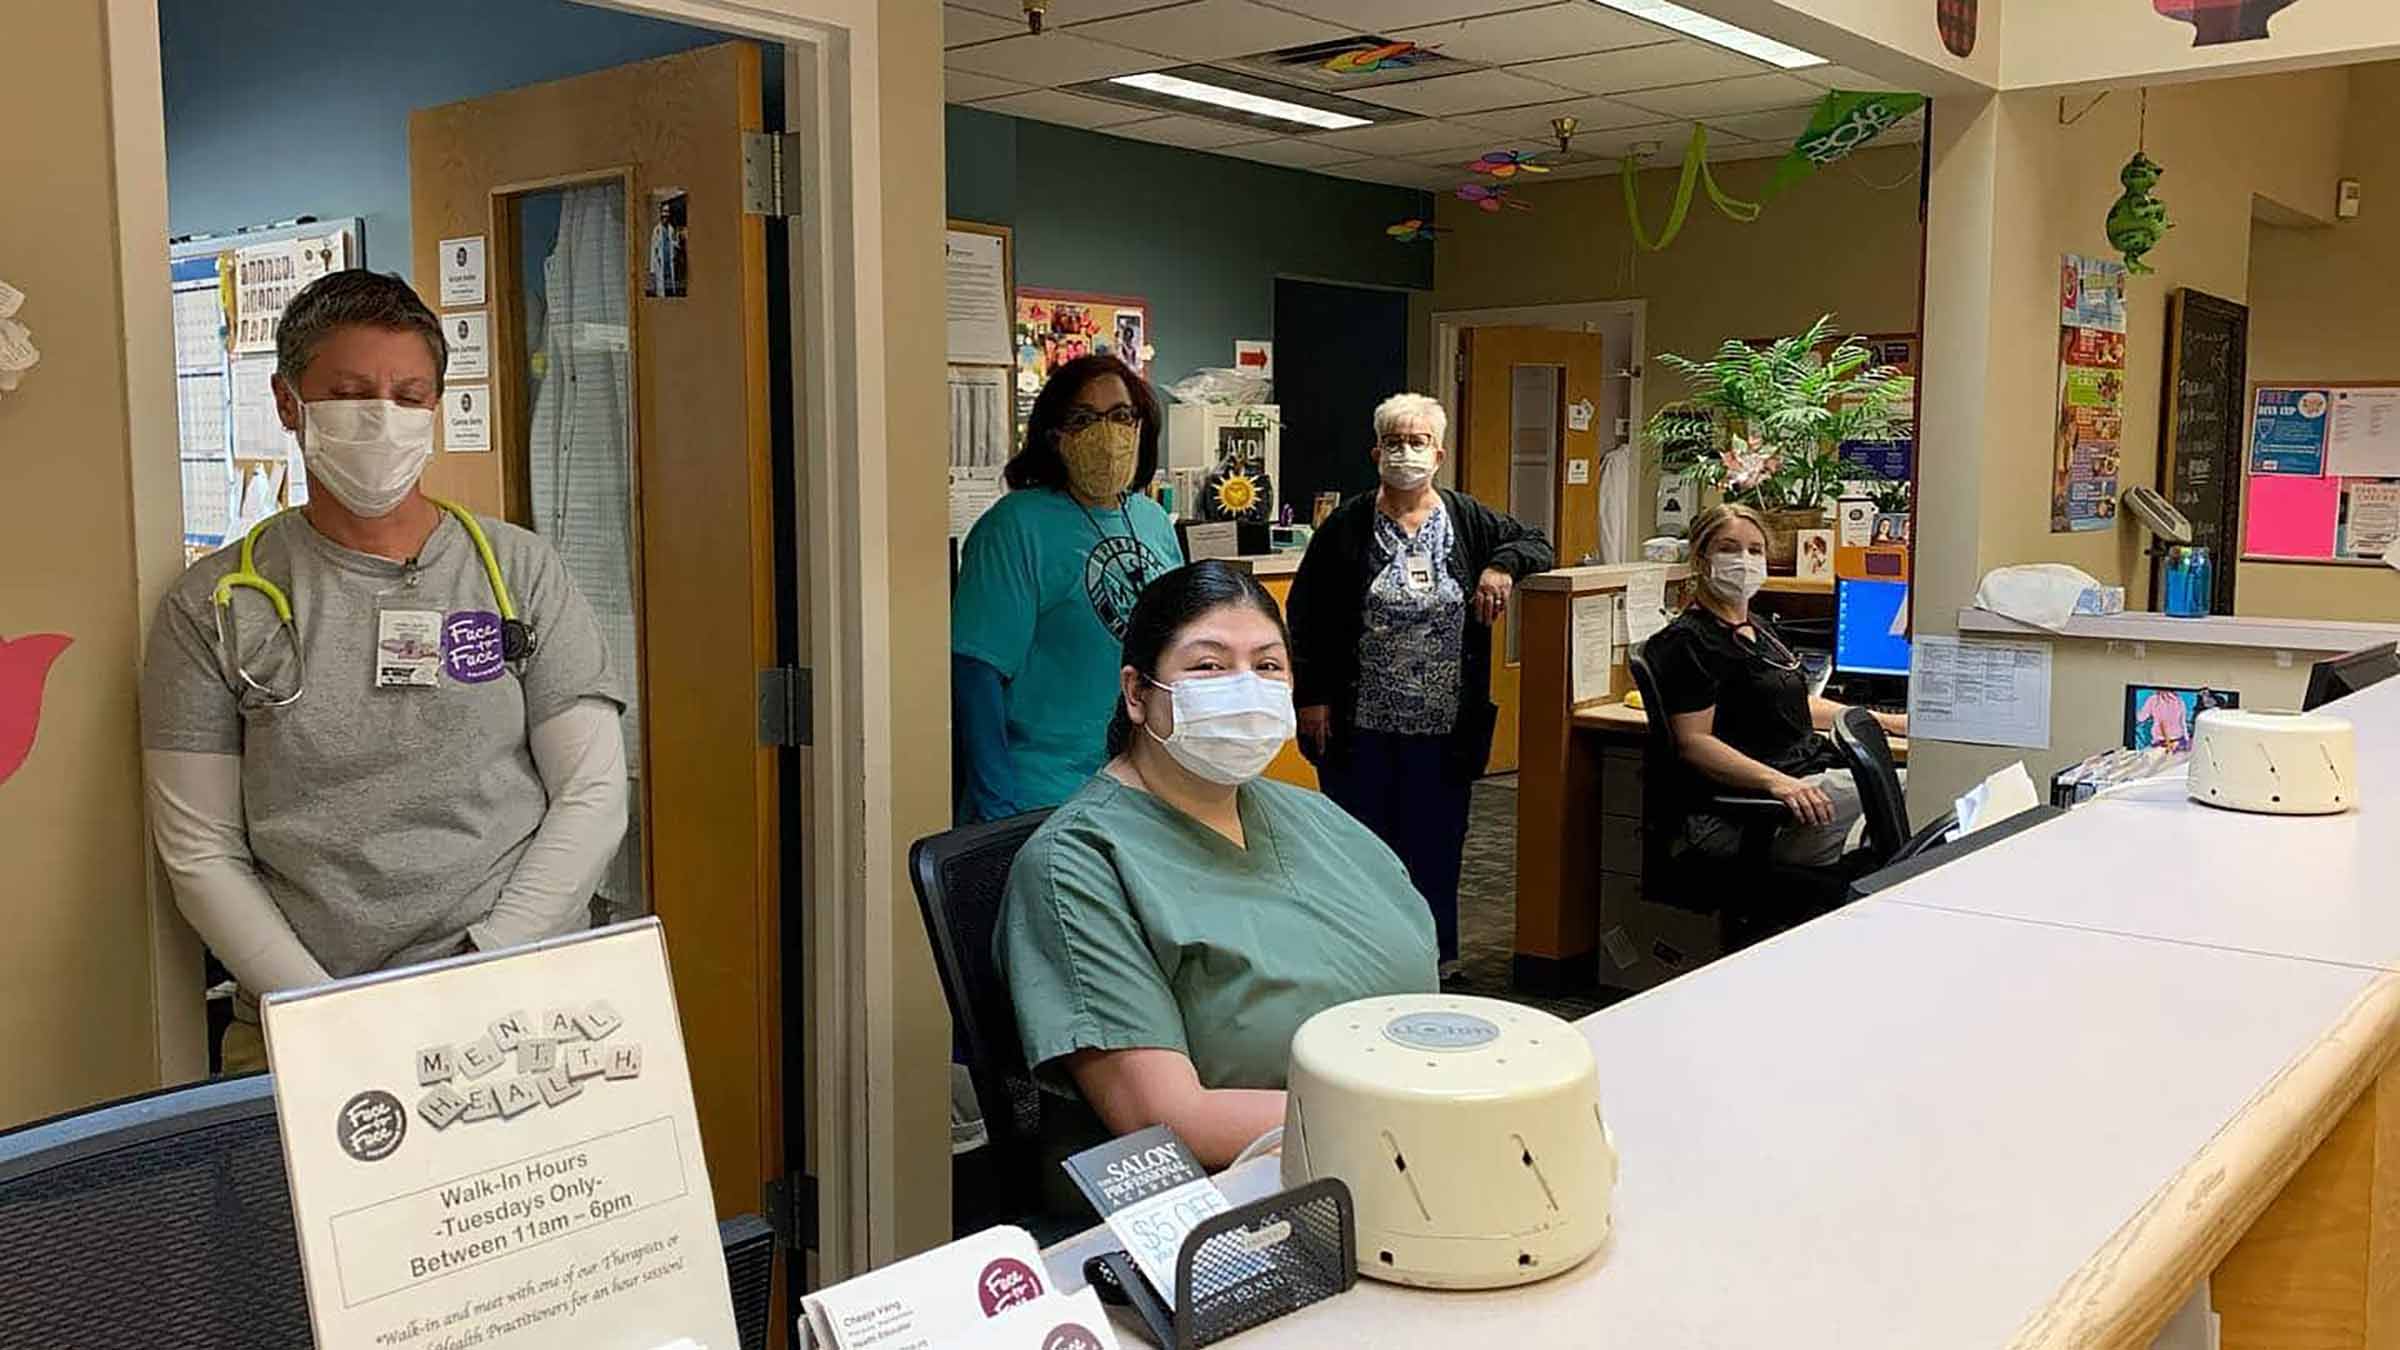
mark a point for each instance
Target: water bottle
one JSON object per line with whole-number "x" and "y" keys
{"x": 2190, "y": 582}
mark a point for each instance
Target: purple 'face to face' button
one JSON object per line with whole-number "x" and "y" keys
{"x": 471, "y": 649}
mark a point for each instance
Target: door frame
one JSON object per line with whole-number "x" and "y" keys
{"x": 832, "y": 63}
{"x": 1580, "y": 316}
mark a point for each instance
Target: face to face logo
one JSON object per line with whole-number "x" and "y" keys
{"x": 371, "y": 1125}
{"x": 1957, "y": 19}
{"x": 1005, "y": 1283}
{"x": 2220, "y": 21}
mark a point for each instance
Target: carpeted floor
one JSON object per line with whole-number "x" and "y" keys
{"x": 1487, "y": 907}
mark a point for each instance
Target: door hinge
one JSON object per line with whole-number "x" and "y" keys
{"x": 791, "y": 1210}
{"x": 784, "y": 711}
{"x": 771, "y": 173}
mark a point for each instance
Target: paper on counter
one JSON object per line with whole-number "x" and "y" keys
{"x": 1645, "y": 603}
{"x": 2009, "y": 792}
{"x": 935, "y": 1299}
{"x": 1594, "y": 623}
{"x": 1981, "y": 693}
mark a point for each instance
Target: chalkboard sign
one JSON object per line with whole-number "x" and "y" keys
{"x": 2200, "y": 450}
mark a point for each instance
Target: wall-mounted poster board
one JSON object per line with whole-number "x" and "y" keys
{"x": 2200, "y": 455}
{"x": 1055, "y": 327}
{"x": 2322, "y": 477}
{"x": 979, "y": 268}
{"x": 228, "y": 292}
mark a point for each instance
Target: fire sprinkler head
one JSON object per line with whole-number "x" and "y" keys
{"x": 1034, "y": 10}
{"x": 1645, "y": 149}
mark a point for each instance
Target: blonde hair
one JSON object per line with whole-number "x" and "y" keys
{"x": 1716, "y": 519}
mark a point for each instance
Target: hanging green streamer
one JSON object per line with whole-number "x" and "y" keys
{"x": 1695, "y": 173}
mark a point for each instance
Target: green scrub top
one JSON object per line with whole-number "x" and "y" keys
{"x": 1130, "y": 925}
{"x": 1046, "y": 586}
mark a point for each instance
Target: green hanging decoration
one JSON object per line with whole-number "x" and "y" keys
{"x": 1695, "y": 174}
{"x": 2138, "y": 221}
{"x": 1845, "y": 122}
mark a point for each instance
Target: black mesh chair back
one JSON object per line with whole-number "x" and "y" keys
{"x": 1664, "y": 799}
{"x": 961, "y": 877}
{"x": 1880, "y": 796}
{"x": 165, "y": 1221}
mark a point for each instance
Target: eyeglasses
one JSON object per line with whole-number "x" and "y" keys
{"x": 1406, "y": 443}
{"x": 1123, "y": 415}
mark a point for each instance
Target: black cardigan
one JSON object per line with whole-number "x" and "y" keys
{"x": 1328, "y": 606}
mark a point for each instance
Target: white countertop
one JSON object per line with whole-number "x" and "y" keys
{"x": 2213, "y": 630}
{"x": 1907, "y": 1125}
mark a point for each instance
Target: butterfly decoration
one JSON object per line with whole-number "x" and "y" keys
{"x": 1414, "y": 230}
{"x": 1507, "y": 163}
{"x": 1368, "y": 60}
{"x": 1489, "y": 198}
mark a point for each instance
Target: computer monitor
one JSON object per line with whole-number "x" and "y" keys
{"x": 1870, "y": 627}
{"x": 2344, "y": 675}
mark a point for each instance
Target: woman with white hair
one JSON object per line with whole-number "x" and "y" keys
{"x": 1391, "y": 616}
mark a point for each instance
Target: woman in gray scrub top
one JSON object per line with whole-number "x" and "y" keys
{"x": 377, "y": 730}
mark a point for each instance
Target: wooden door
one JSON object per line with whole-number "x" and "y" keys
{"x": 699, "y": 506}
{"x": 1530, "y": 444}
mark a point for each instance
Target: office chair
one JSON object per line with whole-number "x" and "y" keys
{"x": 1860, "y": 738}
{"x": 1753, "y": 896}
{"x": 961, "y": 879}
{"x": 166, "y": 1220}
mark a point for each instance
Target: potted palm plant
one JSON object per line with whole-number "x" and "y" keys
{"x": 1764, "y": 426}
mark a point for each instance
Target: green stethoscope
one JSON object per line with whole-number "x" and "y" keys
{"x": 516, "y": 637}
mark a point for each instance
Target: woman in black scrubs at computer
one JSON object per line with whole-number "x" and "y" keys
{"x": 1739, "y": 701}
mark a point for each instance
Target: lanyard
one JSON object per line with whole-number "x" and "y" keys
{"x": 1141, "y": 569}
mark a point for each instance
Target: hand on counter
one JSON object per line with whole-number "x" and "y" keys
{"x": 1491, "y": 594}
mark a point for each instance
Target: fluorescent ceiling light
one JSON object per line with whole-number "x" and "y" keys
{"x": 1693, "y": 23}
{"x": 1175, "y": 86}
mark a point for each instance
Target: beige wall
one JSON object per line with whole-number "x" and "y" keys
{"x": 2323, "y": 307}
{"x": 909, "y": 40}
{"x": 1844, "y": 242}
{"x": 76, "y": 970}
{"x": 2061, "y": 42}
{"x": 1897, "y": 40}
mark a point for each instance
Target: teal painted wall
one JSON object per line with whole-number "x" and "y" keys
{"x": 1201, "y": 237}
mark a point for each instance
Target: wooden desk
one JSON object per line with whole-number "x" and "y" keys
{"x": 1616, "y": 716}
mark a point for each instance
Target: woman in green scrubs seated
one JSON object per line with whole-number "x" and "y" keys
{"x": 1177, "y": 919}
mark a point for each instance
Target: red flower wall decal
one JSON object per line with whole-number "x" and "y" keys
{"x": 2219, "y": 21}
{"x": 24, "y": 669}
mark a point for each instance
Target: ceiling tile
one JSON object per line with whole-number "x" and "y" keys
{"x": 962, "y": 26}
{"x": 1400, "y": 173}
{"x": 1535, "y": 34}
{"x": 1844, "y": 77}
{"x": 960, "y": 86}
{"x": 1782, "y": 127}
{"x": 1681, "y": 61}
{"x": 1074, "y": 110}
{"x": 1192, "y": 133}
{"x": 1052, "y": 58}
{"x": 1382, "y": 16}
{"x": 1211, "y": 30}
{"x": 1721, "y": 98}
{"x": 1423, "y": 137}
{"x": 1533, "y": 123}
{"x": 1062, "y": 12}
{"x": 1291, "y": 153}
{"x": 1476, "y": 91}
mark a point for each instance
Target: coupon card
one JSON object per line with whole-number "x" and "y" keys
{"x": 931, "y": 1300}
{"x": 1071, "y": 1322}
{"x": 1152, "y": 1192}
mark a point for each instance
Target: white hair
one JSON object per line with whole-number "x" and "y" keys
{"x": 1412, "y": 408}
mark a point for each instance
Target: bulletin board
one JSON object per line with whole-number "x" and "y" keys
{"x": 2321, "y": 479}
{"x": 228, "y": 293}
{"x": 1055, "y": 327}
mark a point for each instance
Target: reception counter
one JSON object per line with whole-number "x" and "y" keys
{"x": 2029, "y": 1099}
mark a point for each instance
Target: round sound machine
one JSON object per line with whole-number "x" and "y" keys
{"x": 2279, "y": 764}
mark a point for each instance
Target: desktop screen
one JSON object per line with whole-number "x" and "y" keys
{"x": 1870, "y": 627}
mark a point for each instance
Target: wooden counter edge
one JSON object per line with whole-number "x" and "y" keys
{"x": 2128, "y": 1289}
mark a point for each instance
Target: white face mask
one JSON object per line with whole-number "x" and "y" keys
{"x": 1737, "y": 574}
{"x": 367, "y": 452}
{"x": 1228, "y": 728}
{"x": 1407, "y": 467}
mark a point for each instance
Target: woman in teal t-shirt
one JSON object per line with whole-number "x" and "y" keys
{"x": 1170, "y": 927}
{"x": 1046, "y": 584}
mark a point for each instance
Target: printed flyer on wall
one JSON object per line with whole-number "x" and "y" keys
{"x": 501, "y": 1152}
{"x": 2370, "y": 521}
{"x": 2289, "y": 431}
{"x": 2091, "y": 396}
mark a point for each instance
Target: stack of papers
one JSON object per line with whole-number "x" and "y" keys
{"x": 986, "y": 1292}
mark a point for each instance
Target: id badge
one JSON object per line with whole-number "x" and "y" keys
{"x": 408, "y": 644}
{"x": 1420, "y": 573}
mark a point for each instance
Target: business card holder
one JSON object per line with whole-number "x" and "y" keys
{"x": 1245, "y": 1267}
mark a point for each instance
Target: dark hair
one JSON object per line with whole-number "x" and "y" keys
{"x": 1039, "y": 464}
{"x": 1170, "y": 604}
{"x": 348, "y": 298}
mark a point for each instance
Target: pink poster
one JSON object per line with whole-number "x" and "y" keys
{"x": 2291, "y": 517}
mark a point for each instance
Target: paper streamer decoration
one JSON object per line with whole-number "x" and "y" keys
{"x": 2220, "y": 21}
{"x": 1844, "y": 123}
{"x": 24, "y": 671}
{"x": 1695, "y": 172}
{"x": 2292, "y": 517}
